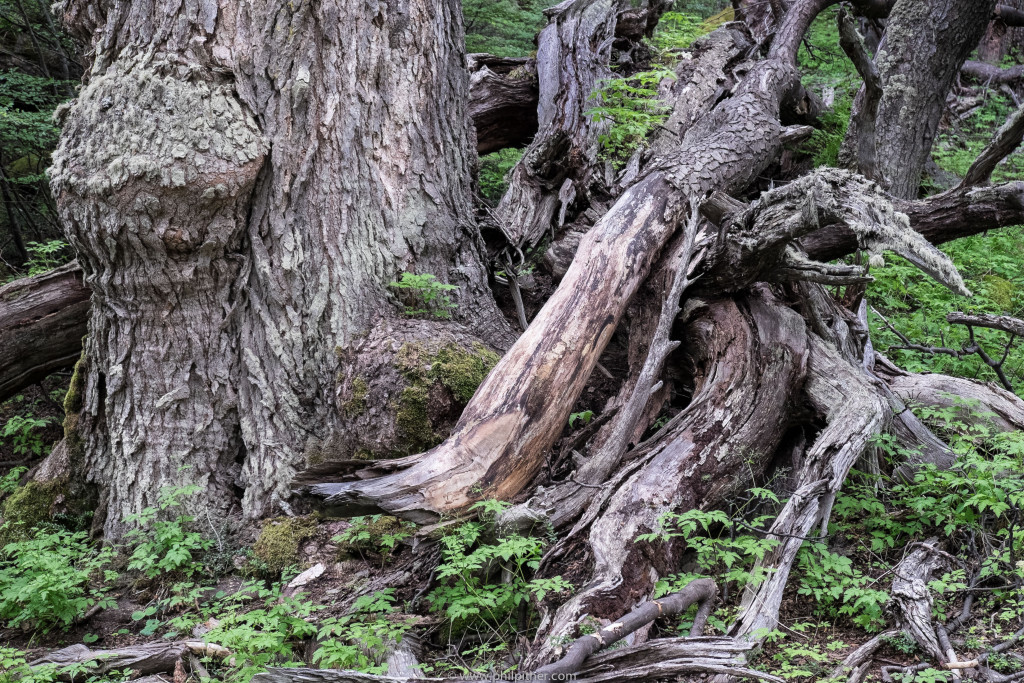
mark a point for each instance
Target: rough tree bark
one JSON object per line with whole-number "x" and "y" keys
{"x": 227, "y": 188}
{"x": 924, "y": 47}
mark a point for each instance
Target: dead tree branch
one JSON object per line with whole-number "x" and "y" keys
{"x": 1005, "y": 141}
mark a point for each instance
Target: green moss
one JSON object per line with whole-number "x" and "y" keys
{"x": 28, "y": 507}
{"x": 1000, "y": 290}
{"x": 357, "y": 403}
{"x": 73, "y": 401}
{"x": 277, "y": 547}
{"x": 462, "y": 371}
{"x": 412, "y": 419}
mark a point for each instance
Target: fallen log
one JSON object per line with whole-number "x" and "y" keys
{"x": 42, "y": 322}
{"x": 148, "y": 658}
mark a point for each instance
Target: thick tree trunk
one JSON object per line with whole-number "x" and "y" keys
{"x": 239, "y": 206}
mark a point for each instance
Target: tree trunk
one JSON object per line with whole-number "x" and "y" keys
{"x": 924, "y": 47}
{"x": 239, "y": 206}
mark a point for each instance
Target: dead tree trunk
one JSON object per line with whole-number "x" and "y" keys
{"x": 42, "y": 322}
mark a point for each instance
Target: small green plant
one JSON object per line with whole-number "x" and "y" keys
{"x": 484, "y": 580}
{"x": 678, "y": 30}
{"x": 494, "y": 168}
{"x": 9, "y": 482}
{"x": 724, "y": 549}
{"x": 902, "y": 642}
{"x": 584, "y": 417}
{"x": 23, "y": 432}
{"x": 268, "y": 635}
{"x": 838, "y": 588}
{"x": 632, "y": 109}
{"x": 379, "y": 533}
{"x": 429, "y": 295}
{"x": 44, "y": 256}
{"x": 362, "y": 639}
{"x": 51, "y": 578}
{"x": 165, "y": 545}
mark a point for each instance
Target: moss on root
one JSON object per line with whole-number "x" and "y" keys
{"x": 412, "y": 418}
{"x": 278, "y": 544}
{"x": 459, "y": 370}
{"x": 29, "y": 507}
{"x": 73, "y": 402}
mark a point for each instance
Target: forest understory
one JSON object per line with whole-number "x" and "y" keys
{"x": 611, "y": 341}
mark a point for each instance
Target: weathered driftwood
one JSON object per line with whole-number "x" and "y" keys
{"x": 911, "y": 599}
{"x": 860, "y": 657}
{"x": 1002, "y": 409}
{"x": 1005, "y": 141}
{"x": 42, "y": 322}
{"x": 855, "y": 413}
{"x": 148, "y": 658}
{"x": 1014, "y": 326}
{"x": 665, "y": 658}
{"x": 521, "y": 407}
{"x": 747, "y": 358}
{"x": 702, "y": 592}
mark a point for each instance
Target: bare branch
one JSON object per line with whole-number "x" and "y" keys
{"x": 1014, "y": 326}
{"x": 1006, "y": 140}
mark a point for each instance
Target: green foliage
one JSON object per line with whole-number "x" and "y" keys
{"x": 825, "y": 142}
{"x": 426, "y": 294}
{"x": 838, "y": 588}
{"x": 362, "y": 639}
{"x": 9, "y": 482}
{"x": 678, "y": 30}
{"x": 506, "y": 28}
{"x": 23, "y": 430}
{"x": 632, "y": 109}
{"x": 44, "y": 256}
{"x": 917, "y": 306}
{"x": 165, "y": 545}
{"x": 725, "y": 549}
{"x": 471, "y": 592}
{"x": 380, "y": 534}
{"x": 50, "y": 579}
{"x": 269, "y": 635}
{"x": 493, "y": 169}
{"x": 584, "y": 417}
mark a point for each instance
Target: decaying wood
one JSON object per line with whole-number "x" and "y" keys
{"x": 912, "y": 600}
{"x": 1003, "y": 410}
{"x": 662, "y": 659}
{"x": 855, "y": 413}
{"x": 1005, "y": 323}
{"x": 747, "y": 359}
{"x": 860, "y": 657}
{"x": 992, "y": 74}
{"x": 148, "y": 658}
{"x": 42, "y": 322}
{"x": 502, "y": 101}
{"x": 960, "y": 212}
{"x": 573, "y": 52}
{"x": 702, "y": 592}
{"x": 853, "y": 45}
